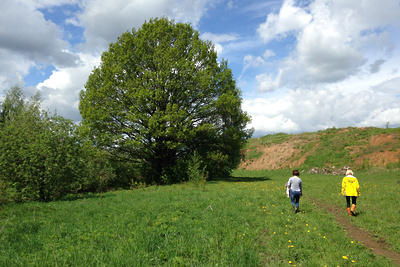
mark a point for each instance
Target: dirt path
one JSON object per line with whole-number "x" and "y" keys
{"x": 379, "y": 247}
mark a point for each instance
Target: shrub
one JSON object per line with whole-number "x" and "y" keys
{"x": 196, "y": 173}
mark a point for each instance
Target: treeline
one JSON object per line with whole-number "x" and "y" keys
{"x": 158, "y": 109}
{"x": 45, "y": 157}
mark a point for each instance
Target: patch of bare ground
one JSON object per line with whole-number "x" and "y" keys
{"x": 287, "y": 154}
{"x": 377, "y": 246}
{"x": 382, "y": 150}
{"x": 384, "y": 155}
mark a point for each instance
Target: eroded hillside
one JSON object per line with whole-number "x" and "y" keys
{"x": 355, "y": 147}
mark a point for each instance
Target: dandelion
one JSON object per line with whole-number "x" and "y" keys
{"x": 324, "y": 236}
{"x": 352, "y": 241}
{"x": 353, "y": 261}
{"x": 290, "y": 261}
{"x": 344, "y": 257}
{"x": 290, "y": 241}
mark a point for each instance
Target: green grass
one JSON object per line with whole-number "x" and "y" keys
{"x": 243, "y": 221}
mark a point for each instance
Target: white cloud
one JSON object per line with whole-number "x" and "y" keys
{"x": 342, "y": 69}
{"x": 312, "y": 110}
{"x": 31, "y": 40}
{"x": 326, "y": 53}
{"x": 381, "y": 117}
{"x": 289, "y": 19}
{"x": 391, "y": 87}
{"x": 219, "y": 38}
{"x": 104, "y": 21}
{"x": 28, "y": 40}
{"x": 267, "y": 83}
{"x": 268, "y": 53}
{"x": 32, "y": 37}
{"x": 60, "y": 92}
{"x": 335, "y": 40}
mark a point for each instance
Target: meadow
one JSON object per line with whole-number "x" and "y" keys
{"x": 245, "y": 220}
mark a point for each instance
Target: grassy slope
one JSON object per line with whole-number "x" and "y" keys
{"x": 247, "y": 221}
{"x": 331, "y": 147}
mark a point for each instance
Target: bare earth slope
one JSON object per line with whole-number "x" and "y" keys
{"x": 349, "y": 146}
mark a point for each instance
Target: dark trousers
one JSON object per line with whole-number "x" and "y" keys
{"x": 353, "y": 200}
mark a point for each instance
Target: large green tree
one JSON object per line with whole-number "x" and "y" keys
{"x": 158, "y": 96}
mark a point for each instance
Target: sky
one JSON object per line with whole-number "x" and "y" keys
{"x": 302, "y": 66}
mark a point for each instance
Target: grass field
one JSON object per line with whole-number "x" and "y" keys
{"x": 243, "y": 221}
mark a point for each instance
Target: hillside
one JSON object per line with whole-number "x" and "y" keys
{"x": 358, "y": 148}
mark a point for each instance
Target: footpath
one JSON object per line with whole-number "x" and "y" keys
{"x": 377, "y": 246}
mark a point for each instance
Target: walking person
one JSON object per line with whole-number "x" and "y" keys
{"x": 351, "y": 190}
{"x": 295, "y": 186}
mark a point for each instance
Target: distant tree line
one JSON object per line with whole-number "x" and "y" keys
{"x": 159, "y": 109}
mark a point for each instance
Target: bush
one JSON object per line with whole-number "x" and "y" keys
{"x": 196, "y": 173}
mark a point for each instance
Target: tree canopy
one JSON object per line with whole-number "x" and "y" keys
{"x": 158, "y": 96}
{"x": 42, "y": 157}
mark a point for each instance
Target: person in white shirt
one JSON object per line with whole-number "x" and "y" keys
{"x": 295, "y": 190}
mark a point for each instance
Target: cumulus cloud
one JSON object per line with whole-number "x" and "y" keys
{"x": 326, "y": 54}
{"x": 267, "y": 83}
{"x": 311, "y": 110}
{"x": 289, "y": 19}
{"x": 311, "y": 64}
{"x": 29, "y": 39}
{"x": 391, "y": 87}
{"x": 104, "y": 21}
{"x": 60, "y": 92}
{"x": 333, "y": 38}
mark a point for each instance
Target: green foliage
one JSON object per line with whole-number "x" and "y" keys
{"x": 42, "y": 157}
{"x": 7, "y": 192}
{"x": 39, "y": 156}
{"x": 12, "y": 104}
{"x": 197, "y": 173}
{"x": 158, "y": 96}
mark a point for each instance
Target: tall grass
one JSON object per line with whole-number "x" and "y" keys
{"x": 246, "y": 220}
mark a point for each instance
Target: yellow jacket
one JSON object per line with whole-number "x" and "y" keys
{"x": 350, "y": 186}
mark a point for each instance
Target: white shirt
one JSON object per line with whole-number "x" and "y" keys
{"x": 295, "y": 184}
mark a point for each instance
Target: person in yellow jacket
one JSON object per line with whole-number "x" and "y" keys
{"x": 350, "y": 189}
